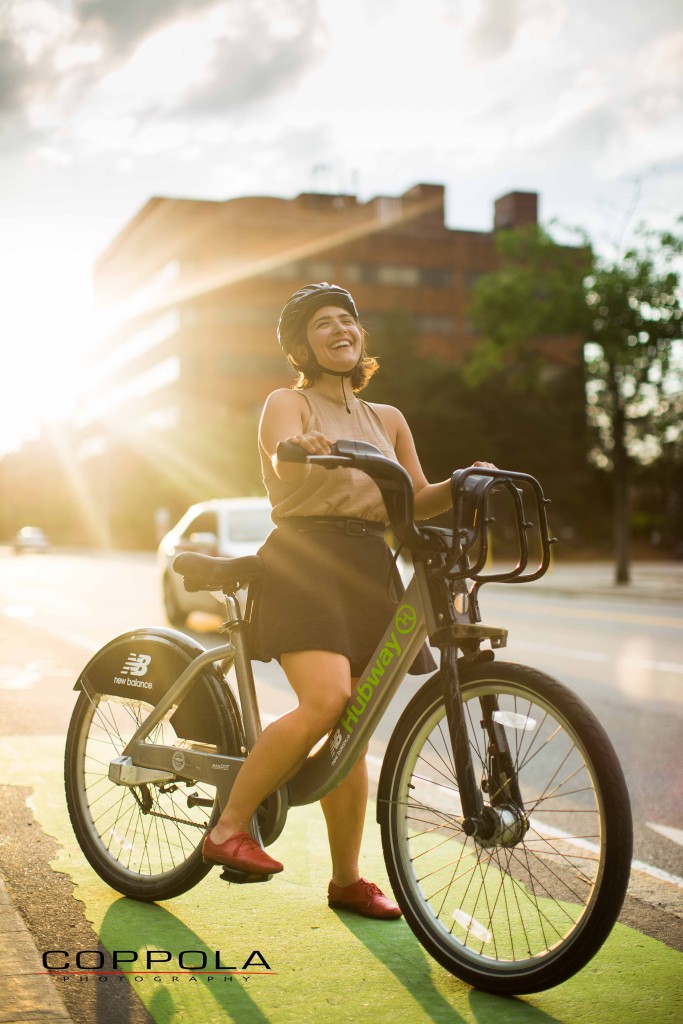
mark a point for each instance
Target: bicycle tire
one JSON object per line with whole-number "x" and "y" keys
{"x": 140, "y": 840}
{"x": 508, "y": 919}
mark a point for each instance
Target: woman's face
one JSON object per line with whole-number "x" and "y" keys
{"x": 335, "y": 338}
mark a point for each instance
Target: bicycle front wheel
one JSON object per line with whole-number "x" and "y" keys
{"x": 529, "y": 908}
{"x": 144, "y": 841}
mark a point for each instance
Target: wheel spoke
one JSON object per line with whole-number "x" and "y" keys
{"x": 523, "y": 895}
{"x": 144, "y": 834}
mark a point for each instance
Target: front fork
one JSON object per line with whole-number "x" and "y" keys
{"x": 503, "y": 820}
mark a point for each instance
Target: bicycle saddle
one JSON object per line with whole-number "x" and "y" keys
{"x": 208, "y": 572}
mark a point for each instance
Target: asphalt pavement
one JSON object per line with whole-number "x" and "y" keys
{"x": 31, "y": 995}
{"x": 650, "y": 581}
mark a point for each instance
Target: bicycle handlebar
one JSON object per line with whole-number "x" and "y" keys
{"x": 393, "y": 481}
{"x": 471, "y": 490}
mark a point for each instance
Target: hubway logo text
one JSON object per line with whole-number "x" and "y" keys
{"x": 404, "y": 624}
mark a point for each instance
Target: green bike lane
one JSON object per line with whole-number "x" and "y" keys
{"x": 295, "y": 959}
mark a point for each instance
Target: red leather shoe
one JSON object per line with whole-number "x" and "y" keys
{"x": 241, "y": 852}
{"x": 364, "y": 898}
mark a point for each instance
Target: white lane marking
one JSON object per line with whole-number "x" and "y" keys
{"x": 23, "y": 677}
{"x": 15, "y": 677}
{"x": 19, "y": 611}
{"x": 599, "y": 656}
{"x": 375, "y": 764}
{"x": 584, "y": 844}
{"x": 674, "y": 834}
{"x": 663, "y": 876}
{"x": 28, "y": 611}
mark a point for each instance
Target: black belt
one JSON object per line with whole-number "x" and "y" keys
{"x": 351, "y": 527}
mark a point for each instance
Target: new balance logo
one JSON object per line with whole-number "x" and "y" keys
{"x": 335, "y": 742}
{"x": 136, "y": 665}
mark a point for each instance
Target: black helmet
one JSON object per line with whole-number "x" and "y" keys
{"x": 301, "y": 306}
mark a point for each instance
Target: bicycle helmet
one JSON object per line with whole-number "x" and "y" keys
{"x": 291, "y": 329}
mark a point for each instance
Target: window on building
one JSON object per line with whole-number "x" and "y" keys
{"x": 154, "y": 379}
{"x": 319, "y": 270}
{"x": 192, "y": 364}
{"x": 471, "y": 278}
{"x": 161, "y": 283}
{"x": 154, "y": 332}
{"x": 157, "y": 377}
{"x": 436, "y": 277}
{"x": 396, "y": 274}
{"x": 91, "y": 447}
{"x": 435, "y": 324}
{"x": 250, "y": 363}
{"x": 353, "y": 273}
{"x": 284, "y": 271}
{"x": 162, "y": 419}
{"x": 239, "y": 315}
{"x": 389, "y": 208}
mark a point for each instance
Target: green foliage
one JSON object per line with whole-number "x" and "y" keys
{"x": 536, "y": 293}
{"x": 627, "y": 316}
{"x": 537, "y": 429}
{"x": 634, "y": 380}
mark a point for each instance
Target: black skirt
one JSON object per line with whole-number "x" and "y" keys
{"x": 323, "y": 590}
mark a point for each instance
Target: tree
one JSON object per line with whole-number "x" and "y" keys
{"x": 626, "y": 314}
{"x": 455, "y": 423}
{"x": 633, "y": 383}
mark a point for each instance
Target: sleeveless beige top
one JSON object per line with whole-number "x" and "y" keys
{"x": 339, "y": 492}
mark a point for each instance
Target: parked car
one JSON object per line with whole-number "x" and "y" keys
{"x": 31, "y": 538}
{"x": 230, "y": 527}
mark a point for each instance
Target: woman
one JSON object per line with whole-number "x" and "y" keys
{"x": 324, "y": 601}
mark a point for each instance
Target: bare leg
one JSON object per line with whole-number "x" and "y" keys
{"x": 344, "y": 810}
{"x": 322, "y": 683}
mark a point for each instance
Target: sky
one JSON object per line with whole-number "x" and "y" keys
{"x": 105, "y": 103}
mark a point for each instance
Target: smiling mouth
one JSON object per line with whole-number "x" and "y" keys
{"x": 340, "y": 344}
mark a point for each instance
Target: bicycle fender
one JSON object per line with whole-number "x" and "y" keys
{"x": 144, "y": 663}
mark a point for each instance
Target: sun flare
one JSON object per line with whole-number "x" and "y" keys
{"x": 46, "y": 327}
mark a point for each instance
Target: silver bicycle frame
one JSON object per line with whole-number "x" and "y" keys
{"x": 384, "y": 673}
{"x": 411, "y": 623}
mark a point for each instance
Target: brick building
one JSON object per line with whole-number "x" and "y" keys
{"x": 189, "y": 293}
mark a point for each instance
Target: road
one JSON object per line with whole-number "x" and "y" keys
{"x": 623, "y": 659}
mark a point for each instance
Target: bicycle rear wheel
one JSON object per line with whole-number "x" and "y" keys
{"x": 144, "y": 841}
{"x": 528, "y": 910}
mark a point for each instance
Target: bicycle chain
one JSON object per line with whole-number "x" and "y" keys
{"x": 178, "y": 821}
{"x": 160, "y": 814}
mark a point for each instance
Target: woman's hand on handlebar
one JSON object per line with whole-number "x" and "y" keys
{"x": 485, "y": 465}
{"x": 313, "y": 443}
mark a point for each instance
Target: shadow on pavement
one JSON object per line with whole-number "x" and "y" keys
{"x": 396, "y": 948}
{"x": 487, "y": 1010}
{"x": 141, "y": 926}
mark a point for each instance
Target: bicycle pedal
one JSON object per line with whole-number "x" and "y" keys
{"x": 242, "y": 877}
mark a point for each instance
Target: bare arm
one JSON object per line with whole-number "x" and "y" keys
{"x": 284, "y": 418}
{"x": 430, "y": 499}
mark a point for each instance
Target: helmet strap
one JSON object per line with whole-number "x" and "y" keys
{"x": 342, "y": 374}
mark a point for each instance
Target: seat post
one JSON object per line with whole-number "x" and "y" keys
{"x": 243, "y": 670}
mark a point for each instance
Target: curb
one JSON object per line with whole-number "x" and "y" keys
{"x": 28, "y": 995}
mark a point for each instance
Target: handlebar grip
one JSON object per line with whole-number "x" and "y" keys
{"x": 288, "y": 452}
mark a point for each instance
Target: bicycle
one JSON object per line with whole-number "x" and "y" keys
{"x": 504, "y": 815}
